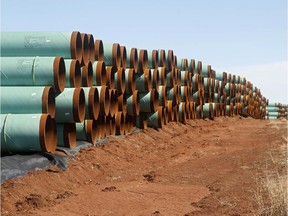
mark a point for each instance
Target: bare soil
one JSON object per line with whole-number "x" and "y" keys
{"x": 202, "y": 168}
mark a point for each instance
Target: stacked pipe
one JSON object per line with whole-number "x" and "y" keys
{"x": 276, "y": 111}
{"x": 78, "y": 88}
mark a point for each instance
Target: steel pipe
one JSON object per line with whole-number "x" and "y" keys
{"x": 182, "y": 112}
{"x": 99, "y": 73}
{"x": 119, "y": 78}
{"x": 110, "y": 82}
{"x": 73, "y": 75}
{"x": 23, "y": 133}
{"x": 141, "y": 121}
{"x": 170, "y": 110}
{"x": 89, "y": 130}
{"x": 66, "y": 135}
{"x": 92, "y": 102}
{"x": 206, "y": 71}
{"x": 132, "y": 58}
{"x": 113, "y": 108}
{"x": 149, "y": 101}
{"x": 65, "y": 44}
{"x": 142, "y": 61}
{"x": 87, "y": 75}
{"x": 130, "y": 80}
{"x": 183, "y": 64}
{"x": 170, "y": 60}
{"x": 112, "y": 55}
{"x": 70, "y": 106}
{"x": 171, "y": 78}
{"x": 155, "y": 78}
{"x": 120, "y": 123}
{"x": 133, "y": 103}
{"x": 122, "y": 103}
{"x": 99, "y": 50}
{"x": 104, "y": 100}
{"x": 162, "y": 75}
{"x": 155, "y": 119}
{"x": 184, "y": 93}
{"x": 85, "y": 49}
{"x": 199, "y": 111}
{"x": 162, "y": 95}
{"x": 184, "y": 75}
{"x": 123, "y": 56}
{"x": 161, "y": 58}
{"x": 143, "y": 81}
{"x": 27, "y": 100}
{"x": 33, "y": 71}
{"x": 173, "y": 94}
{"x": 153, "y": 59}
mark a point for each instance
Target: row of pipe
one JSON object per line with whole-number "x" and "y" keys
{"x": 77, "y": 88}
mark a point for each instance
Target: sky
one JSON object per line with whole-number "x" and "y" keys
{"x": 244, "y": 37}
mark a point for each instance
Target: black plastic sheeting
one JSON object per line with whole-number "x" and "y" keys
{"x": 19, "y": 165}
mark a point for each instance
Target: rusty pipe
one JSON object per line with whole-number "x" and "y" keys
{"x": 66, "y": 135}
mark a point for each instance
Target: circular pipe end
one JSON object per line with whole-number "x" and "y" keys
{"x": 113, "y": 102}
{"x": 59, "y": 71}
{"x": 48, "y": 101}
{"x": 85, "y": 48}
{"x": 94, "y": 103}
{"x": 142, "y": 60}
{"x": 120, "y": 123}
{"x": 104, "y": 101}
{"x": 155, "y": 56}
{"x": 100, "y": 72}
{"x": 76, "y": 46}
{"x": 136, "y": 102}
{"x": 162, "y": 58}
{"x": 131, "y": 80}
{"x": 92, "y": 131}
{"x": 123, "y": 56}
{"x": 116, "y": 55}
{"x": 47, "y": 133}
{"x": 147, "y": 80}
{"x": 75, "y": 74}
{"x": 121, "y": 80}
{"x": 110, "y": 82}
{"x": 78, "y": 105}
{"x": 87, "y": 75}
{"x": 99, "y": 50}
{"x": 91, "y": 47}
{"x": 134, "y": 59}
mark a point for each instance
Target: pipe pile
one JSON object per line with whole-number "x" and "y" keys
{"x": 60, "y": 87}
{"x": 276, "y": 111}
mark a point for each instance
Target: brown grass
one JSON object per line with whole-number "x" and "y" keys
{"x": 271, "y": 196}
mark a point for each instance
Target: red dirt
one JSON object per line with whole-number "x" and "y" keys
{"x": 201, "y": 168}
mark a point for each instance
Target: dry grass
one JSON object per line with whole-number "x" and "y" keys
{"x": 271, "y": 196}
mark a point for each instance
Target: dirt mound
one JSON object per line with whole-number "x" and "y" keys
{"x": 201, "y": 168}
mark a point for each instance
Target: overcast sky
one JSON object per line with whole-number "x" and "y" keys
{"x": 244, "y": 37}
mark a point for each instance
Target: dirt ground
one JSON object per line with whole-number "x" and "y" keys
{"x": 202, "y": 168}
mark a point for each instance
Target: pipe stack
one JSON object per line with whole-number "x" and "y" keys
{"x": 276, "y": 111}
{"x": 65, "y": 86}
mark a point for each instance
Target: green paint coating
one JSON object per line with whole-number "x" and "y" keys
{"x": 20, "y": 133}
{"x": 36, "y": 44}
{"x": 21, "y": 100}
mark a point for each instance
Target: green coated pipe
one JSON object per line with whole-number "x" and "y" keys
{"x": 66, "y": 135}
{"x": 207, "y": 85}
{"x": 273, "y": 113}
{"x": 152, "y": 58}
{"x": 143, "y": 81}
{"x": 206, "y": 71}
{"x": 70, "y": 106}
{"x": 73, "y": 74}
{"x": 23, "y": 133}
{"x": 119, "y": 78}
{"x": 104, "y": 100}
{"x": 99, "y": 50}
{"x": 182, "y": 112}
{"x": 155, "y": 78}
{"x": 65, "y": 44}
{"x": 141, "y": 121}
{"x": 99, "y": 73}
{"x": 89, "y": 130}
{"x": 173, "y": 94}
{"x": 33, "y": 71}
{"x": 216, "y": 97}
{"x": 142, "y": 61}
{"x": 183, "y": 64}
{"x": 149, "y": 101}
{"x": 195, "y": 82}
{"x": 197, "y": 97}
{"x": 272, "y": 117}
{"x": 112, "y": 55}
{"x": 170, "y": 60}
{"x": 133, "y": 103}
{"x": 171, "y": 79}
{"x": 132, "y": 58}
{"x": 162, "y": 75}
{"x": 92, "y": 102}
{"x": 27, "y": 100}
{"x": 155, "y": 119}
{"x": 162, "y": 95}
{"x": 130, "y": 80}
{"x": 269, "y": 108}
{"x": 208, "y": 111}
{"x": 184, "y": 77}
{"x": 199, "y": 111}
{"x": 87, "y": 75}
{"x": 184, "y": 93}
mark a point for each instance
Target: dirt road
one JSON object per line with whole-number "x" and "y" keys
{"x": 202, "y": 168}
